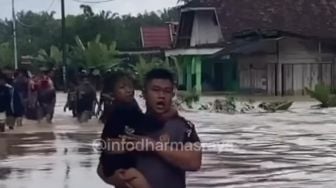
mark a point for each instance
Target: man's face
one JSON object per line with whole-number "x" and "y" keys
{"x": 159, "y": 94}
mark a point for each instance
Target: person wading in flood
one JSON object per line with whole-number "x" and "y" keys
{"x": 16, "y": 111}
{"x": 21, "y": 85}
{"x": 163, "y": 168}
{"x": 71, "y": 99}
{"x": 5, "y": 101}
{"x": 86, "y": 100}
{"x": 32, "y": 100}
{"x": 46, "y": 98}
{"x": 9, "y": 73}
{"x": 16, "y": 108}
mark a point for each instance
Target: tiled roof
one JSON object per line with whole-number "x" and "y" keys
{"x": 156, "y": 37}
{"x": 315, "y": 18}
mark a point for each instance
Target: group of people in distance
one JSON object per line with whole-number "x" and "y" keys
{"x": 25, "y": 95}
{"x": 142, "y": 166}
{"x": 145, "y": 165}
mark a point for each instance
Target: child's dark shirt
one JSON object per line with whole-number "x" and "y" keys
{"x": 123, "y": 120}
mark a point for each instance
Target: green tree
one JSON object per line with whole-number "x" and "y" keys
{"x": 6, "y": 55}
{"x": 96, "y": 54}
{"x": 37, "y": 31}
{"x": 145, "y": 65}
{"x": 51, "y": 60}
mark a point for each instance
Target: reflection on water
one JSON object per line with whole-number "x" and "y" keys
{"x": 294, "y": 149}
{"x": 28, "y": 144}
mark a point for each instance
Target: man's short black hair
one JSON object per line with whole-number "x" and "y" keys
{"x": 159, "y": 73}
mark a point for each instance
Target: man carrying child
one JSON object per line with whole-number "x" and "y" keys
{"x": 160, "y": 168}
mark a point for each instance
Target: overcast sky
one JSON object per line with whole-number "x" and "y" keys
{"x": 72, "y": 6}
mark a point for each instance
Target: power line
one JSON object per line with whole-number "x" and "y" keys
{"x": 30, "y": 25}
{"x": 23, "y": 24}
{"x": 51, "y": 5}
{"x": 93, "y": 2}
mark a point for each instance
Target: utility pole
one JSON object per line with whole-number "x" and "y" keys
{"x": 63, "y": 46}
{"x": 14, "y": 36}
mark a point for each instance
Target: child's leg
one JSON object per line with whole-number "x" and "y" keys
{"x": 136, "y": 178}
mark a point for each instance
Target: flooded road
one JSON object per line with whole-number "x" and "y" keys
{"x": 281, "y": 150}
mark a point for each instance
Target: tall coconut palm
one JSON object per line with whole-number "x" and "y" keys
{"x": 184, "y": 1}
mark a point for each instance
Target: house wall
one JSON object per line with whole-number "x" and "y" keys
{"x": 297, "y": 65}
{"x": 205, "y": 29}
{"x": 305, "y": 64}
{"x": 257, "y": 74}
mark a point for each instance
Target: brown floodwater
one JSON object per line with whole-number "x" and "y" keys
{"x": 282, "y": 150}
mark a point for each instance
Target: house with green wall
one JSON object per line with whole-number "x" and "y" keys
{"x": 256, "y": 46}
{"x": 199, "y": 37}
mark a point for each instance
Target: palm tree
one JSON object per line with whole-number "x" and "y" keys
{"x": 184, "y": 1}
{"x": 108, "y": 15}
{"x": 87, "y": 10}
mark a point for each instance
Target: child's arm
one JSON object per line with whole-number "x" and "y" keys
{"x": 116, "y": 180}
{"x": 134, "y": 178}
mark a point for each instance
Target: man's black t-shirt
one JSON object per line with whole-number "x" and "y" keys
{"x": 158, "y": 172}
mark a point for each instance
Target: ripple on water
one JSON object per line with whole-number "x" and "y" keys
{"x": 258, "y": 150}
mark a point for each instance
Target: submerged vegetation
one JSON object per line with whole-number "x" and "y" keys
{"x": 233, "y": 105}
{"x": 324, "y": 95}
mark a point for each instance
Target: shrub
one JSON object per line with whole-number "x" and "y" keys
{"x": 324, "y": 95}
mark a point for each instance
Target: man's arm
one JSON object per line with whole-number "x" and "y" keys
{"x": 188, "y": 156}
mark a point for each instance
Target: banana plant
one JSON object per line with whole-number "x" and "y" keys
{"x": 6, "y": 55}
{"x": 52, "y": 59}
{"x": 324, "y": 95}
{"x": 96, "y": 54}
{"x": 143, "y": 66}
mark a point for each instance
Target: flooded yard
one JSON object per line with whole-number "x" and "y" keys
{"x": 282, "y": 150}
